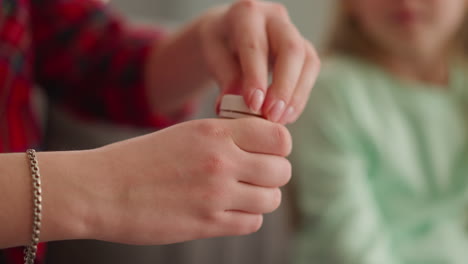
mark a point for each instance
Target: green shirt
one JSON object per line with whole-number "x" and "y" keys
{"x": 382, "y": 167}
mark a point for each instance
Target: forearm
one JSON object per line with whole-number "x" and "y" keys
{"x": 65, "y": 210}
{"x": 176, "y": 72}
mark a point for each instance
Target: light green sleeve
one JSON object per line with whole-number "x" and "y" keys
{"x": 341, "y": 222}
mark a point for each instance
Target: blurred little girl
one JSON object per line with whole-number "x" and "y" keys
{"x": 381, "y": 151}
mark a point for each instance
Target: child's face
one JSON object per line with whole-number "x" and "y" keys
{"x": 407, "y": 27}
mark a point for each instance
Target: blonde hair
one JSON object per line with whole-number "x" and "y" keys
{"x": 347, "y": 38}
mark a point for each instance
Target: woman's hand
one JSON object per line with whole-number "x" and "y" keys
{"x": 243, "y": 42}
{"x": 198, "y": 179}
{"x": 195, "y": 180}
{"x": 237, "y": 46}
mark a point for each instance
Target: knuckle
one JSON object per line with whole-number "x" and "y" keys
{"x": 294, "y": 47}
{"x": 279, "y": 9}
{"x": 272, "y": 200}
{"x": 282, "y": 139}
{"x": 317, "y": 65}
{"x": 246, "y": 4}
{"x": 209, "y": 128}
{"x": 315, "y": 59}
{"x": 281, "y": 172}
{"x": 309, "y": 46}
{"x": 286, "y": 172}
{"x": 312, "y": 53}
{"x": 215, "y": 165}
{"x": 255, "y": 225}
{"x": 267, "y": 201}
{"x": 254, "y": 45}
{"x": 211, "y": 219}
{"x": 276, "y": 201}
{"x": 318, "y": 62}
{"x": 248, "y": 226}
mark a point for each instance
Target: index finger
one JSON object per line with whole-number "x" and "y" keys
{"x": 250, "y": 42}
{"x": 289, "y": 51}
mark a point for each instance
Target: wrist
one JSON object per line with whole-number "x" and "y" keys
{"x": 180, "y": 54}
{"x": 67, "y": 182}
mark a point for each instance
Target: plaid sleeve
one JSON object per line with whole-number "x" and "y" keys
{"x": 90, "y": 62}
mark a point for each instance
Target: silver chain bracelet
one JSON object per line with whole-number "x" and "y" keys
{"x": 31, "y": 250}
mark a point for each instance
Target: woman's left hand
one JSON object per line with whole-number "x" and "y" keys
{"x": 243, "y": 42}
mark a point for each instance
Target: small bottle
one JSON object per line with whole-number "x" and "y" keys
{"x": 233, "y": 106}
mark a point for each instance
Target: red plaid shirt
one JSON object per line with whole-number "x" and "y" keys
{"x": 81, "y": 55}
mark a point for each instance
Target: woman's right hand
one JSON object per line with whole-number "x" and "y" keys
{"x": 198, "y": 179}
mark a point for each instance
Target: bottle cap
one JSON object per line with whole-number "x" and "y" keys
{"x": 233, "y": 106}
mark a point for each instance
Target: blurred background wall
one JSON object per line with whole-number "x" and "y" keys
{"x": 271, "y": 245}
{"x": 311, "y": 16}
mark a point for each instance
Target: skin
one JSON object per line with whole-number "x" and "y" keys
{"x": 237, "y": 46}
{"x": 195, "y": 180}
{"x": 414, "y": 37}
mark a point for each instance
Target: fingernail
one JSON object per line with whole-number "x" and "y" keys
{"x": 288, "y": 115}
{"x": 256, "y": 100}
{"x": 276, "y": 111}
